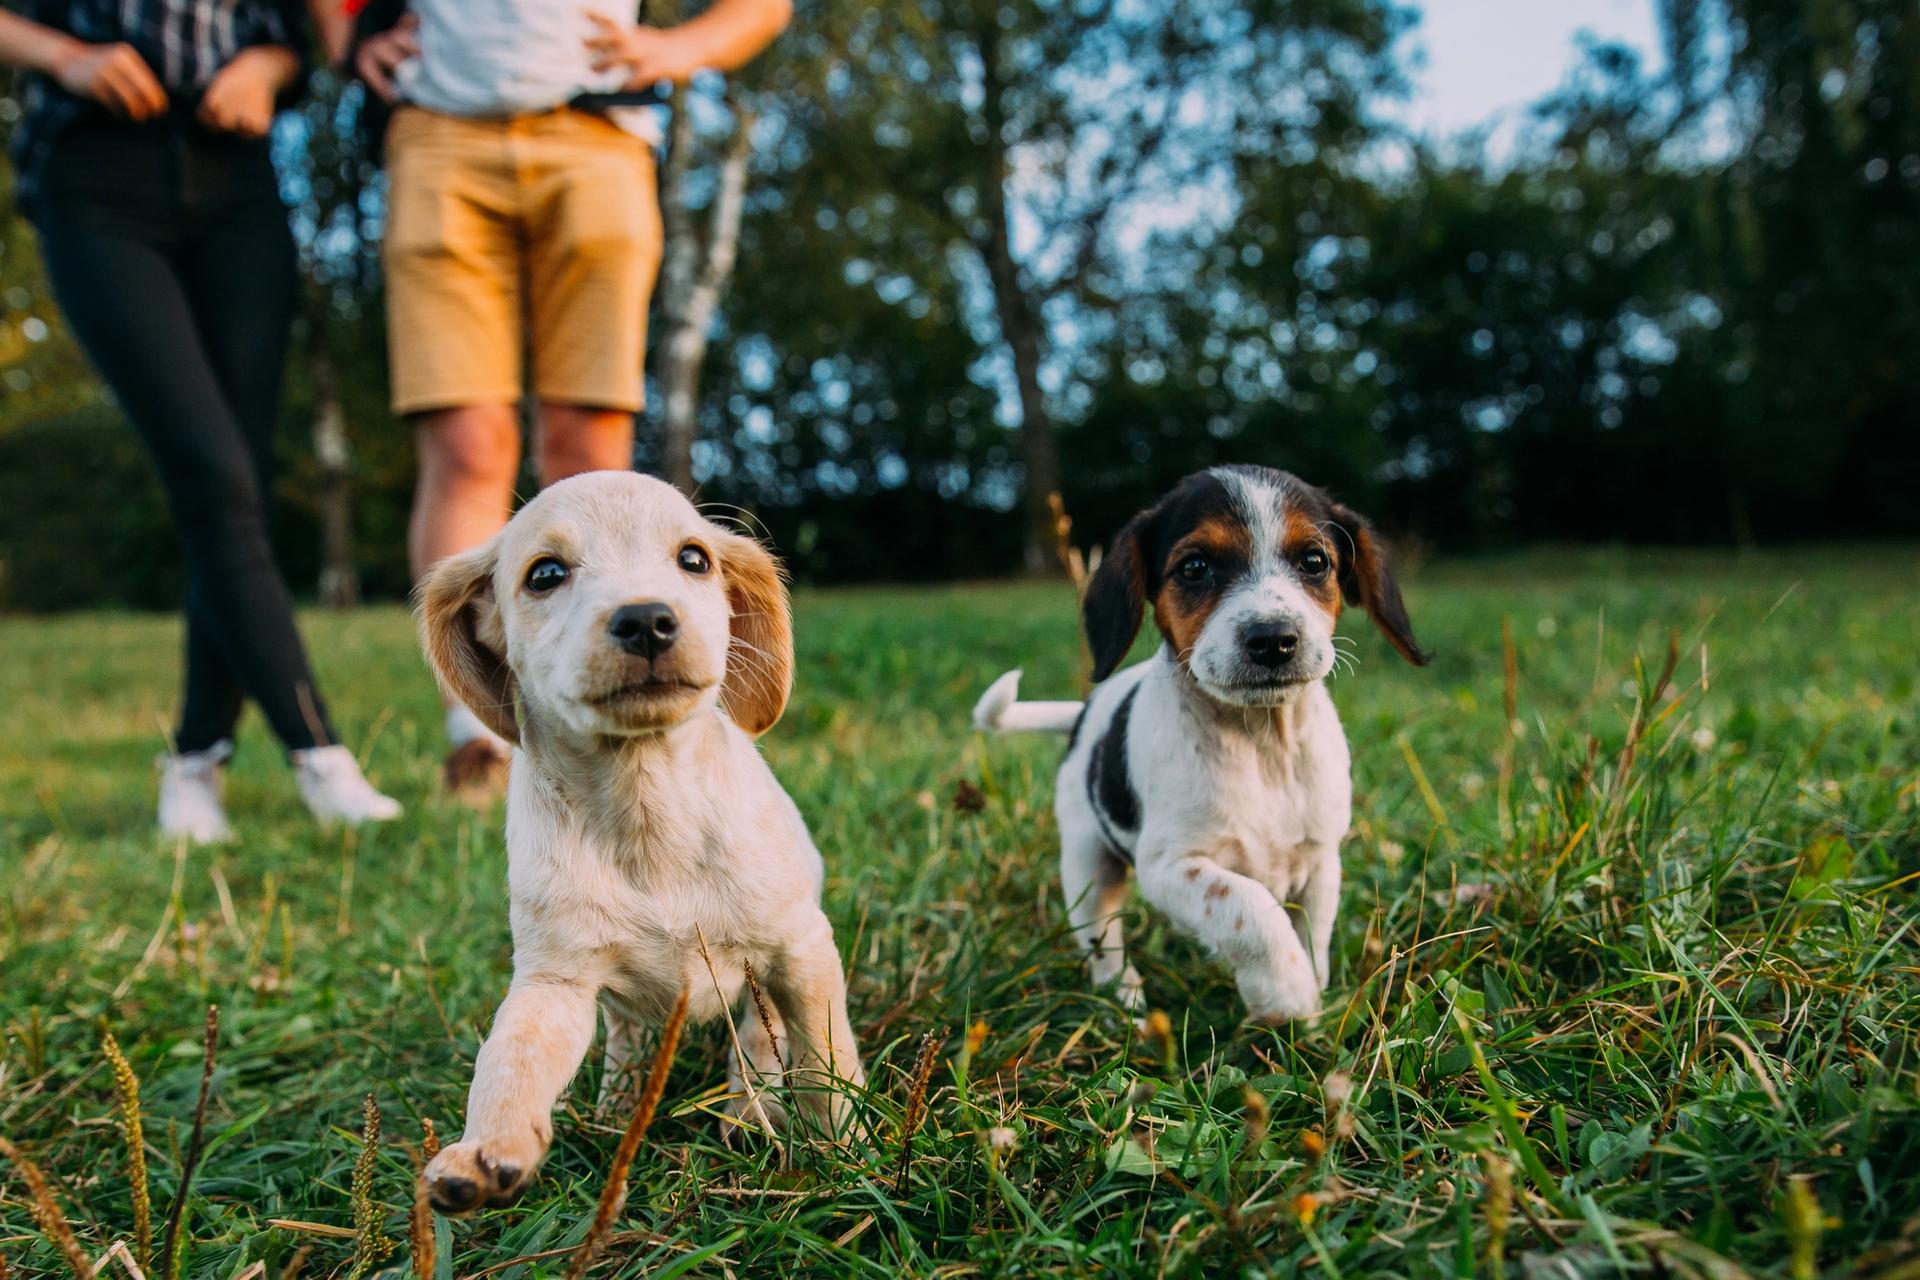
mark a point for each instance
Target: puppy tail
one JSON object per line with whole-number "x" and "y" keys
{"x": 1001, "y": 710}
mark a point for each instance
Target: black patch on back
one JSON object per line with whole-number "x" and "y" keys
{"x": 1110, "y": 784}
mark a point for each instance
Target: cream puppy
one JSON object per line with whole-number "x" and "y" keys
{"x": 632, "y": 650}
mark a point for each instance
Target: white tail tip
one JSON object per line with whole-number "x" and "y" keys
{"x": 994, "y": 703}
{"x": 1000, "y": 709}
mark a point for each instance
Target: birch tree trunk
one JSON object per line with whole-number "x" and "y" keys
{"x": 1021, "y": 325}
{"x": 694, "y": 275}
{"x": 333, "y": 458}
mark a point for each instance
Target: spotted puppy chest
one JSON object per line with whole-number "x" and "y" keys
{"x": 1270, "y": 796}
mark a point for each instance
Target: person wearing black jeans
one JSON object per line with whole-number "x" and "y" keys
{"x": 143, "y": 163}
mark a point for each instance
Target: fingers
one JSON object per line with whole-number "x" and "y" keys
{"x": 127, "y": 86}
{"x": 149, "y": 98}
{"x": 241, "y": 118}
{"x": 380, "y": 57}
{"x": 611, "y": 44}
{"x": 373, "y": 75}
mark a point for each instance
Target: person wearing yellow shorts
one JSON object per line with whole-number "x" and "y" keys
{"x": 522, "y": 241}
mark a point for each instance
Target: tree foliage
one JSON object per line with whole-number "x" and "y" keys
{"x": 992, "y": 249}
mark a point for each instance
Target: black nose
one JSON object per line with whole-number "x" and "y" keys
{"x": 646, "y": 630}
{"x": 1270, "y": 644}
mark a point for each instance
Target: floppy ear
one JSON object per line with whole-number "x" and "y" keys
{"x": 466, "y": 645}
{"x": 760, "y": 656}
{"x": 1367, "y": 580}
{"x": 1116, "y": 599}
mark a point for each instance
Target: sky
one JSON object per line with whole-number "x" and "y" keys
{"x": 1486, "y": 60}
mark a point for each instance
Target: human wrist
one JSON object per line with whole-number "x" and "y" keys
{"x": 56, "y": 53}
{"x": 276, "y": 64}
{"x": 698, "y": 46}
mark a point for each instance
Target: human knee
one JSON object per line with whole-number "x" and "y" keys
{"x": 472, "y": 447}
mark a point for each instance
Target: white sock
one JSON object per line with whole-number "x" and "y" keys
{"x": 463, "y": 727}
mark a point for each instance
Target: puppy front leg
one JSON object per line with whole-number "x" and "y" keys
{"x": 1313, "y": 914}
{"x": 539, "y": 1037}
{"x": 618, "y": 1077}
{"x": 810, "y": 991}
{"x": 1238, "y": 919}
{"x": 1095, "y": 885}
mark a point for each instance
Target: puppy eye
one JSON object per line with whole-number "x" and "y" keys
{"x": 1195, "y": 568}
{"x": 694, "y": 560}
{"x": 546, "y": 574}
{"x": 1314, "y": 563}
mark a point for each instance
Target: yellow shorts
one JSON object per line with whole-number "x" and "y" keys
{"x": 535, "y": 233}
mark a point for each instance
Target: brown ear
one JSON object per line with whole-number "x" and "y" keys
{"x": 760, "y": 658}
{"x": 466, "y": 645}
{"x": 1366, "y": 579}
{"x": 1116, "y": 600}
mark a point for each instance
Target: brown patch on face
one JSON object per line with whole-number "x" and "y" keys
{"x": 1217, "y": 890}
{"x": 1183, "y": 605}
{"x": 1304, "y": 533}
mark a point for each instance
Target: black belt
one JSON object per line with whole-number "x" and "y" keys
{"x": 618, "y": 98}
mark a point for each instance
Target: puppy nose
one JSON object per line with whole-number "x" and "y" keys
{"x": 1270, "y": 644}
{"x": 645, "y": 630}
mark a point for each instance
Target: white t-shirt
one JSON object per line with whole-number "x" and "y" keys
{"x": 512, "y": 57}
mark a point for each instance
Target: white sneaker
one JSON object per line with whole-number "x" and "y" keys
{"x": 336, "y": 791}
{"x": 190, "y": 787}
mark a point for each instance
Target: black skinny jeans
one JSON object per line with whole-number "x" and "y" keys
{"x": 169, "y": 252}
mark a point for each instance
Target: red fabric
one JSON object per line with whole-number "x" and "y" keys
{"x": 352, "y": 8}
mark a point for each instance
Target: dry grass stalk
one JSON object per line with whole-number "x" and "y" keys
{"x": 46, "y": 1211}
{"x": 1499, "y": 1209}
{"x": 124, "y": 1256}
{"x": 1510, "y": 691}
{"x": 126, "y": 1087}
{"x": 614, "y": 1194}
{"x": 171, "y": 1255}
{"x": 370, "y": 1247}
{"x": 297, "y": 1263}
{"x": 420, "y": 1221}
{"x": 1070, "y": 558}
{"x": 916, "y": 1102}
{"x": 766, "y": 1015}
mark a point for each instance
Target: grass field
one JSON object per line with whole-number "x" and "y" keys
{"x": 1623, "y": 982}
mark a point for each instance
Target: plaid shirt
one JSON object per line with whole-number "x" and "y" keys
{"x": 186, "y": 42}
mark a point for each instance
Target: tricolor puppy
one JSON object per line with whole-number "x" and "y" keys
{"x": 649, "y": 848}
{"x": 1216, "y": 770}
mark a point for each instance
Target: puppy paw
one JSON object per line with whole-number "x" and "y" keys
{"x": 1278, "y": 998}
{"x": 759, "y": 1109}
{"x": 1123, "y": 981}
{"x": 471, "y": 1175}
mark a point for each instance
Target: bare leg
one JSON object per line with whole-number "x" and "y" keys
{"x": 1095, "y": 884}
{"x": 469, "y": 458}
{"x": 1239, "y": 921}
{"x": 539, "y": 1037}
{"x": 575, "y": 438}
{"x": 810, "y": 991}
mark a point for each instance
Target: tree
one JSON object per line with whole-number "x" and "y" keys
{"x": 1015, "y": 147}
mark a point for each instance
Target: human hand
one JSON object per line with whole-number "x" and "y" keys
{"x": 379, "y": 56}
{"x": 644, "y": 55}
{"x": 239, "y": 99}
{"x": 115, "y": 76}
